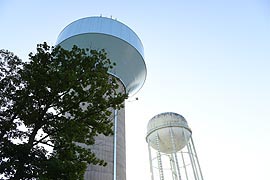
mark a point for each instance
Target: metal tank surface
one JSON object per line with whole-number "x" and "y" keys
{"x": 121, "y": 43}
{"x": 124, "y": 48}
{"x": 172, "y": 153}
{"x": 164, "y": 125}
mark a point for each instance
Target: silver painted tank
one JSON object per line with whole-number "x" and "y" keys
{"x": 121, "y": 43}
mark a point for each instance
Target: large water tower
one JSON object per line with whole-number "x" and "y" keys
{"x": 124, "y": 48}
{"x": 172, "y": 152}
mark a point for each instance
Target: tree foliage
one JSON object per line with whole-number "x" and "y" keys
{"x": 58, "y": 99}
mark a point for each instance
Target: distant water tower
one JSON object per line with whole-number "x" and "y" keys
{"x": 124, "y": 48}
{"x": 172, "y": 153}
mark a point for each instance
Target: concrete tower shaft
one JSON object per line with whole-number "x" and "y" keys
{"x": 111, "y": 149}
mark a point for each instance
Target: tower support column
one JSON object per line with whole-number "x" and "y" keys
{"x": 111, "y": 149}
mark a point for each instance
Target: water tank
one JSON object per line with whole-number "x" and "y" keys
{"x": 168, "y": 132}
{"x": 122, "y": 45}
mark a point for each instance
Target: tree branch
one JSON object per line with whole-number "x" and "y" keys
{"x": 42, "y": 142}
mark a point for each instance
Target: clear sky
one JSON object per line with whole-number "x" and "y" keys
{"x": 206, "y": 60}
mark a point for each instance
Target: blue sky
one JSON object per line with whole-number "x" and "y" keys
{"x": 207, "y": 60}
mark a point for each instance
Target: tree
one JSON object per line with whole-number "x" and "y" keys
{"x": 59, "y": 99}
